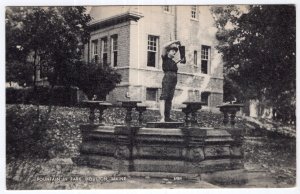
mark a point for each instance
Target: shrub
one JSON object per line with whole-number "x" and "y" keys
{"x": 22, "y": 131}
{"x": 64, "y": 96}
{"x": 94, "y": 79}
{"x": 15, "y": 95}
{"x": 27, "y": 133}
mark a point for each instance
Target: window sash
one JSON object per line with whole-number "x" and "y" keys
{"x": 204, "y": 66}
{"x": 205, "y": 59}
{"x": 115, "y": 58}
{"x": 204, "y": 53}
{"x": 152, "y": 49}
{"x": 194, "y": 12}
{"x": 95, "y": 47}
{"x": 151, "y": 59}
{"x": 115, "y": 43}
{"x": 104, "y": 45}
{"x": 167, "y": 8}
{"x": 195, "y": 57}
{"x": 152, "y": 43}
{"x": 114, "y": 50}
{"x": 104, "y": 58}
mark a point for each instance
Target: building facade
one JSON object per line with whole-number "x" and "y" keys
{"x": 129, "y": 38}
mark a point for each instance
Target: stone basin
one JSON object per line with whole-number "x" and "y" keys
{"x": 130, "y": 103}
{"x": 91, "y": 102}
{"x": 230, "y": 107}
{"x": 193, "y": 105}
{"x": 95, "y": 103}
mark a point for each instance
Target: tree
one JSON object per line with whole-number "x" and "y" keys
{"x": 49, "y": 38}
{"x": 52, "y": 39}
{"x": 258, "y": 45}
{"x": 94, "y": 79}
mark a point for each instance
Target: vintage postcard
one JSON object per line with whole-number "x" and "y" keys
{"x": 150, "y": 97}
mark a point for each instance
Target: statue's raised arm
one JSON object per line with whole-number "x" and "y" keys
{"x": 165, "y": 47}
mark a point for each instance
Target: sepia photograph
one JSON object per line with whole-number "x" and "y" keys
{"x": 150, "y": 96}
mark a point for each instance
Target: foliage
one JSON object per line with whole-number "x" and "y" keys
{"x": 26, "y": 133}
{"x": 258, "y": 44}
{"x": 94, "y": 79}
{"x": 52, "y": 39}
{"x": 64, "y": 96}
{"x": 49, "y": 38}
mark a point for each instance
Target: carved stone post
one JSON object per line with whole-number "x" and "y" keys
{"x": 192, "y": 108}
{"x": 129, "y": 105}
{"x": 101, "y": 107}
{"x": 187, "y": 119}
{"x": 92, "y": 115}
{"x": 92, "y": 105}
{"x": 230, "y": 109}
{"x": 141, "y": 109}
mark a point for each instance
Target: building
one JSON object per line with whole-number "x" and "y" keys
{"x": 129, "y": 38}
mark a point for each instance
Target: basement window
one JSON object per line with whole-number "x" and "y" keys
{"x": 151, "y": 94}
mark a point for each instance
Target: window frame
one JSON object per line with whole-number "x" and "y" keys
{"x": 104, "y": 50}
{"x": 195, "y": 60}
{"x": 168, "y": 7}
{"x": 208, "y": 98}
{"x": 95, "y": 52}
{"x": 156, "y": 94}
{"x": 205, "y": 56}
{"x": 114, "y": 50}
{"x": 194, "y": 13}
{"x": 150, "y": 48}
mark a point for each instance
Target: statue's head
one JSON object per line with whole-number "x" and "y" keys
{"x": 172, "y": 50}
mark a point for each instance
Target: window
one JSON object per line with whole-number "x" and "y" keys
{"x": 152, "y": 51}
{"x": 205, "y": 59}
{"x": 95, "y": 56}
{"x": 104, "y": 50}
{"x": 194, "y": 14}
{"x": 167, "y": 9}
{"x": 151, "y": 94}
{"x": 195, "y": 57}
{"x": 114, "y": 50}
{"x": 204, "y": 97}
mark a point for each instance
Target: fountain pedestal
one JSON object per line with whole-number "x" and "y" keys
{"x": 161, "y": 147}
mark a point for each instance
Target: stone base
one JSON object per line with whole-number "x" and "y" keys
{"x": 155, "y": 149}
{"x": 155, "y": 165}
{"x": 177, "y": 166}
{"x": 164, "y": 124}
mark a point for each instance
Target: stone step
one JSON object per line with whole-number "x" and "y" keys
{"x": 220, "y": 140}
{"x": 105, "y": 129}
{"x": 217, "y": 133}
{"x": 160, "y": 131}
{"x": 165, "y": 124}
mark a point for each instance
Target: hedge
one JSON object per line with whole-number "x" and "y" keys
{"x": 63, "y": 96}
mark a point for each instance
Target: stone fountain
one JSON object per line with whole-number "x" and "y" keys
{"x": 178, "y": 147}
